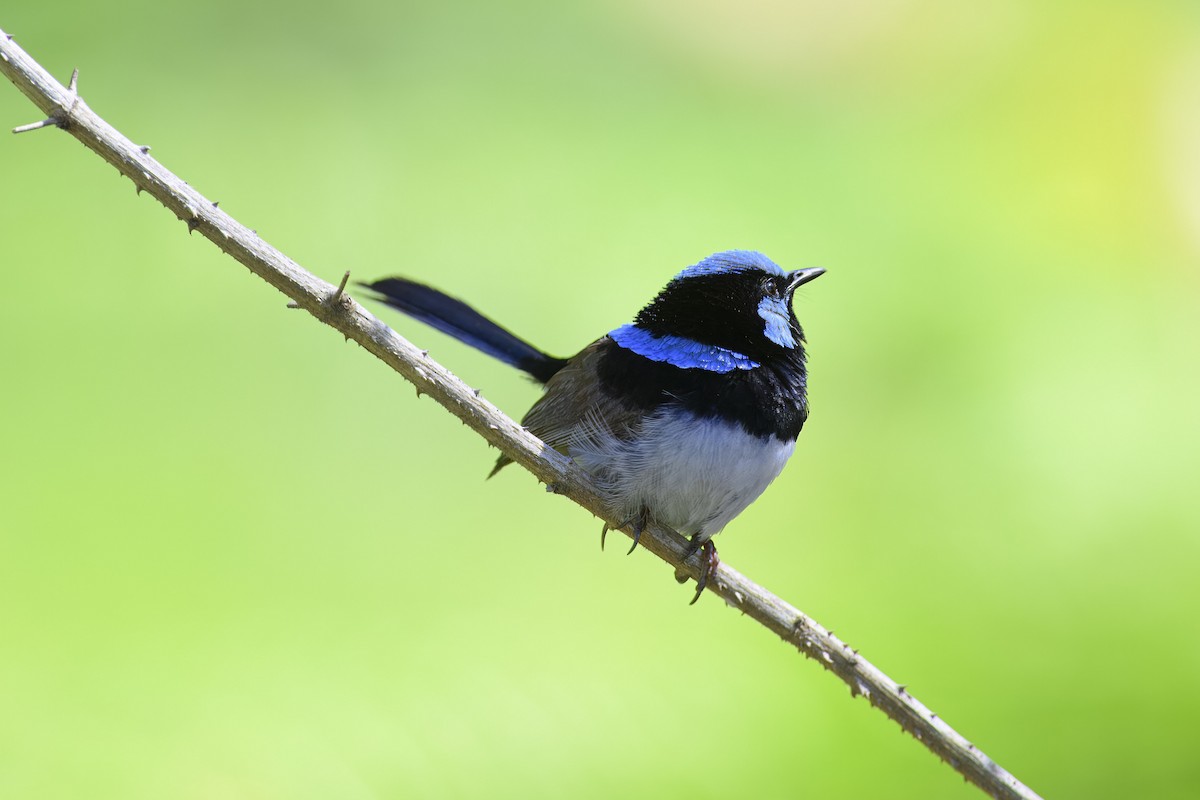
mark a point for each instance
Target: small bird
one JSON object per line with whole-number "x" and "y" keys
{"x": 682, "y": 417}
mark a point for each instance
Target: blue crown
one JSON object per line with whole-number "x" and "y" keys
{"x": 731, "y": 262}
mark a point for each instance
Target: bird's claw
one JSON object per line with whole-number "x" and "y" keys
{"x": 638, "y": 521}
{"x": 708, "y": 564}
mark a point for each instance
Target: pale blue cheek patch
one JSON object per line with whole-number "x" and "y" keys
{"x": 774, "y": 311}
{"x": 679, "y": 351}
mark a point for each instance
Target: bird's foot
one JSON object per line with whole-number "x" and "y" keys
{"x": 638, "y": 521}
{"x": 708, "y": 564}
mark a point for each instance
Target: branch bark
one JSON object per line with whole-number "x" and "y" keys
{"x": 329, "y": 304}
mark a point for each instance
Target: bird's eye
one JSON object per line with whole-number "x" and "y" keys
{"x": 772, "y": 285}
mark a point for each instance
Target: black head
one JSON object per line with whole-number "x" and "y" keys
{"x": 739, "y": 300}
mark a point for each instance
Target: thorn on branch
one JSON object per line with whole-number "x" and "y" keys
{"x": 145, "y": 148}
{"x": 193, "y": 223}
{"x": 293, "y": 304}
{"x": 337, "y": 295}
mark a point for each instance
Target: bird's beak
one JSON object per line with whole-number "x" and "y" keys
{"x": 803, "y": 276}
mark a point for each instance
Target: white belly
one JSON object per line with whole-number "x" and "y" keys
{"x": 692, "y": 475}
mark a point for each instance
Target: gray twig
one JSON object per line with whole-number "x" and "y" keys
{"x": 331, "y": 306}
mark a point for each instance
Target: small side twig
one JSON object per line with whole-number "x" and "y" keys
{"x": 33, "y": 126}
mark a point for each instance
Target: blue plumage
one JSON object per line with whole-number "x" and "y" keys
{"x": 732, "y": 262}
{"x": 777, "y": 318}
{"x": 679, "y": 351}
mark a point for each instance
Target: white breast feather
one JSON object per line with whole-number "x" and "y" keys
{"x": 694, "y": 475}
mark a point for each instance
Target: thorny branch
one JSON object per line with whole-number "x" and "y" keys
{"x": 66, "y": 110}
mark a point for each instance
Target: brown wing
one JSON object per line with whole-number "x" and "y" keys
{"x": 574, "y": 409}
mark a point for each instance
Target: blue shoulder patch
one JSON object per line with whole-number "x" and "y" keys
{"x": 679, "y": 351}
{"x": 732, "y": 261}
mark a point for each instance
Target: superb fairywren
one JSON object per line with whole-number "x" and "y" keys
{"x": 682, "y": 417}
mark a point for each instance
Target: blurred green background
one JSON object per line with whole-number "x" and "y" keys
{"x": 240, "y": 559}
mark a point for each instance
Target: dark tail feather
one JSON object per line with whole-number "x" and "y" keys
{"x": 464, "y": 323}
